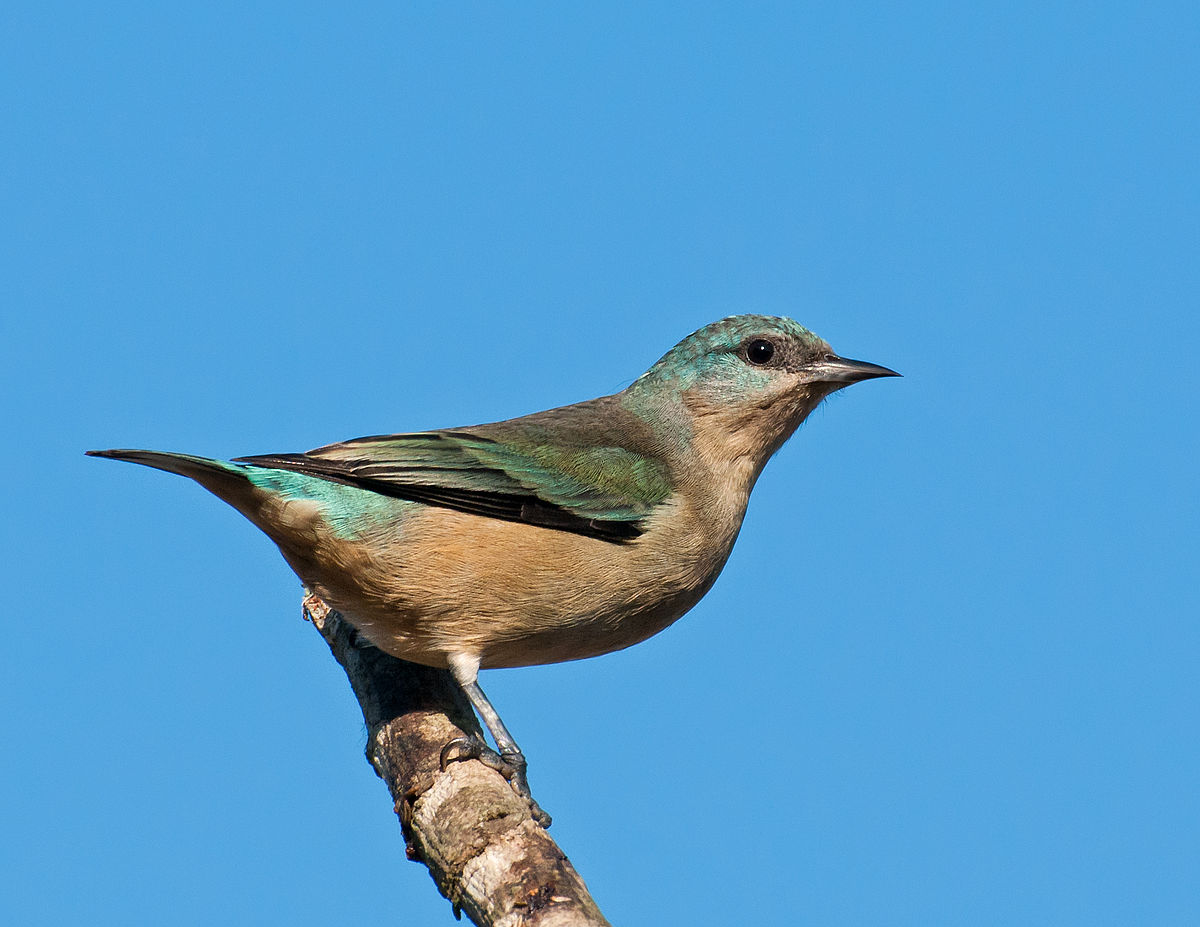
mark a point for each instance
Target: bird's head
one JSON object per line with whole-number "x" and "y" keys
{"x": 748, "y": 381}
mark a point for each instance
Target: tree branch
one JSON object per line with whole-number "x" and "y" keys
{"x": 478, "y": 838}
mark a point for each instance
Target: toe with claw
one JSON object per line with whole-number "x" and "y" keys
{"x": 510, "y": 765}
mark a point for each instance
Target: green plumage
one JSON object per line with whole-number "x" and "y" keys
{"x": 547, "y": 469}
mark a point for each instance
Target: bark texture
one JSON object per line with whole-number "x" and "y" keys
{"x": 482, "y": 846}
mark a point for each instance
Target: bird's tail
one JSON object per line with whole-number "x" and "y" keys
{"x": 198, "y": 468}
{"x": 228, "y": 481}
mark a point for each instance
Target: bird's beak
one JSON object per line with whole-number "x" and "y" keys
{"x": 834, "y": 369}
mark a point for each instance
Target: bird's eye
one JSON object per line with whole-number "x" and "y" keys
{"x": 760, "y": 352}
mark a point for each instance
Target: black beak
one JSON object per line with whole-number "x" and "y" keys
{"x": 834, "y": 369}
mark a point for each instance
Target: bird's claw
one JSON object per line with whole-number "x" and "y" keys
{"x": 469, "y": 747}
{"x": 511, "y": 766}
{"x": 314, "y": 608}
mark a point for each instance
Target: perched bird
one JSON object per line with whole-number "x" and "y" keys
{"x": 556, "y": 536}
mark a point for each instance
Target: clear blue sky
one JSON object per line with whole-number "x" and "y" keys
{"x": 949, "y": 675}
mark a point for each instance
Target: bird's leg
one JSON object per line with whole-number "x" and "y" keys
{"x": 507, "y": 758}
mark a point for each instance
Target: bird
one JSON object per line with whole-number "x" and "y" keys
{"x": 556, "y": 536}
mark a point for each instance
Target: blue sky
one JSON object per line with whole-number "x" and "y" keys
{"x": 949, "y": 674}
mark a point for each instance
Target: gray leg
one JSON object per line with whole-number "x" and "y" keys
{"x": 509, "y": 761}
{"x": 491, "y": 720}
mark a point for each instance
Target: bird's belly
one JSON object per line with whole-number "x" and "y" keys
{"x": 513, "y": 594}
{"x": 579, "y": 635}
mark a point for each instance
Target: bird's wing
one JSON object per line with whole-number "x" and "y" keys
{"x": 600, "y": 491}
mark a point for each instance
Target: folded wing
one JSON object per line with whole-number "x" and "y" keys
{"x": 599, "y": 491}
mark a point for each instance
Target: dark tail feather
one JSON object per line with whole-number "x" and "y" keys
{"x": 226, "y": 480}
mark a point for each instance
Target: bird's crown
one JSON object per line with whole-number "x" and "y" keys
{"x": 719, "y": 349}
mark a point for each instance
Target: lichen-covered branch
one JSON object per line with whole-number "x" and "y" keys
{"x": 478, "y": 838}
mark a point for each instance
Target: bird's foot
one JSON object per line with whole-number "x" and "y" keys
{"x": 315, "y": 609}
{"x": 511, "y": 766}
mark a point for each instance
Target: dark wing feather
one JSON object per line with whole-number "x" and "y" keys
{"x": 601, "y": 492}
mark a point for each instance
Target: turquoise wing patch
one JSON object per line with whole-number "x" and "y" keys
{"x": 602, "y": 492}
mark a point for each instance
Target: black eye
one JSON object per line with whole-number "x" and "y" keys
{"x": 760, "y": 352}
